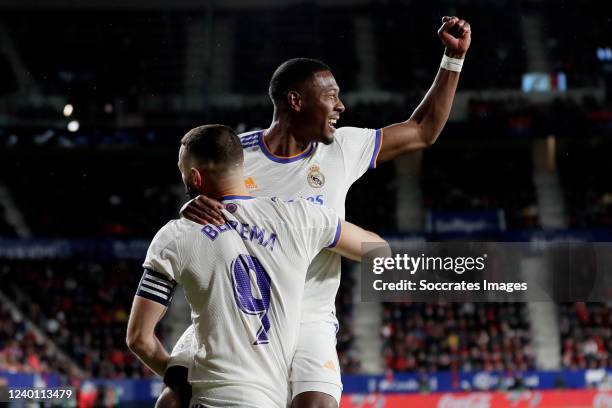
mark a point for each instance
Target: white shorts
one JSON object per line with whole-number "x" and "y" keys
{"x": 315, "y": 365}
{"x": 184, "y": 349}
{"x": 235, "y": 396}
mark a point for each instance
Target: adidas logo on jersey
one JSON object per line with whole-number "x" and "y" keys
{"x": 330, "y": 365}
{"x": 250, "y": 183}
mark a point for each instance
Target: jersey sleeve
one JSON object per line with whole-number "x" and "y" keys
{"x": 161, "y": 267}
{"x": 360, "y": 148}
{"x": 318, "y": 227}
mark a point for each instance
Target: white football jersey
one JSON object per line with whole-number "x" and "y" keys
{"x": 244, "y": 281}
{"x": 321, "y": 174}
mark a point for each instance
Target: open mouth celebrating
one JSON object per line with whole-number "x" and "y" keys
{"x": 332, "y": 123}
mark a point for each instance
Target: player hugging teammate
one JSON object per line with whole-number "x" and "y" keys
{"x": 300, "y": 155}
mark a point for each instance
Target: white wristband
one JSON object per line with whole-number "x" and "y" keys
{"x": 451, "y": 64}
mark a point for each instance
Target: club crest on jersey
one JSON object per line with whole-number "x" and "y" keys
{"x": 315, "y": 178}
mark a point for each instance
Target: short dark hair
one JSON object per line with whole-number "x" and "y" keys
{"x": 290, "y": 73}
{"x": 217, "y": 146}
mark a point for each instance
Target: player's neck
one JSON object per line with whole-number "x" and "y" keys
{"x": 230, "y": 186}
{"x": 220, "y": 192}
{"x": 282, "y": 139}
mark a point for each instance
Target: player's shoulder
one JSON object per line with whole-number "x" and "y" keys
{"x": 269, "y": 206}
{"x": 173, "y": 230}
{"x": 249, "y": 139}
{"x": 275, "y": 205}
{"x": 300, "y": 210}
{"x": 348, "y": 131}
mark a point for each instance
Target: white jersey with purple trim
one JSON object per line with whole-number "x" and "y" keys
{"x": 321, "y": 174}
{"x": 244, "y": 282}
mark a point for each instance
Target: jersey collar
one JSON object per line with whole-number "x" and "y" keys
{"x": 283, "y": 159}
{"x": 236, "y": 197}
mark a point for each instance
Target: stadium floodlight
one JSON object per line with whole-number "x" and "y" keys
{"x": 68, "y": 109}
{"x": 73, "y": 125}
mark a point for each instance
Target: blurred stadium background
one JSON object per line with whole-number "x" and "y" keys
{"x": 94, "y": 96}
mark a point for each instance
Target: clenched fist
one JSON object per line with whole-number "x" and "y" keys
{"x": 456, "y": 36}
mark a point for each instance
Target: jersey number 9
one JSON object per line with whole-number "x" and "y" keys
{"x": 242, "y": 267}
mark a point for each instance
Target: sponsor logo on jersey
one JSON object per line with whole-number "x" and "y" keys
{"x": 250, "y": 183}
{"x": 315, "y": 178}
{"x": 318, "y": 199}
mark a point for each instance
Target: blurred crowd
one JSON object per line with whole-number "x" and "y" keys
{"x": 22, "y": 349}
{"x": 586, "y": 334}
{"x": 87, "y": 321}
{"x": 457, "y": 337}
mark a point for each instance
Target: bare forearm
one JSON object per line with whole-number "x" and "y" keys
{"x": 351, "y": 240}
{"x": 152, "y": 353}
{"x": 433, "y": 111}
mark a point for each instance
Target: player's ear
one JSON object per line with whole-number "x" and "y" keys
{"x": 294, "y": 99}
{"x": 197, "y": 178}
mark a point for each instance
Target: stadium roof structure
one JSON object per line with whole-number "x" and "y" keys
{"x": 169, "y": 4}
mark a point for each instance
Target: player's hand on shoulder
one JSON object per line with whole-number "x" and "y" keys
{"x": 456, "y": 35}
{"x": 203, "y": 210}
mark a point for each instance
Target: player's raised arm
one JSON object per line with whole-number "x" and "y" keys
{"x": 429, "y": 118}
{"x": 351, "y": 239}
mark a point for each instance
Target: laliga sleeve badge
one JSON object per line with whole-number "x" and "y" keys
{"x": 315, "y": 178}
